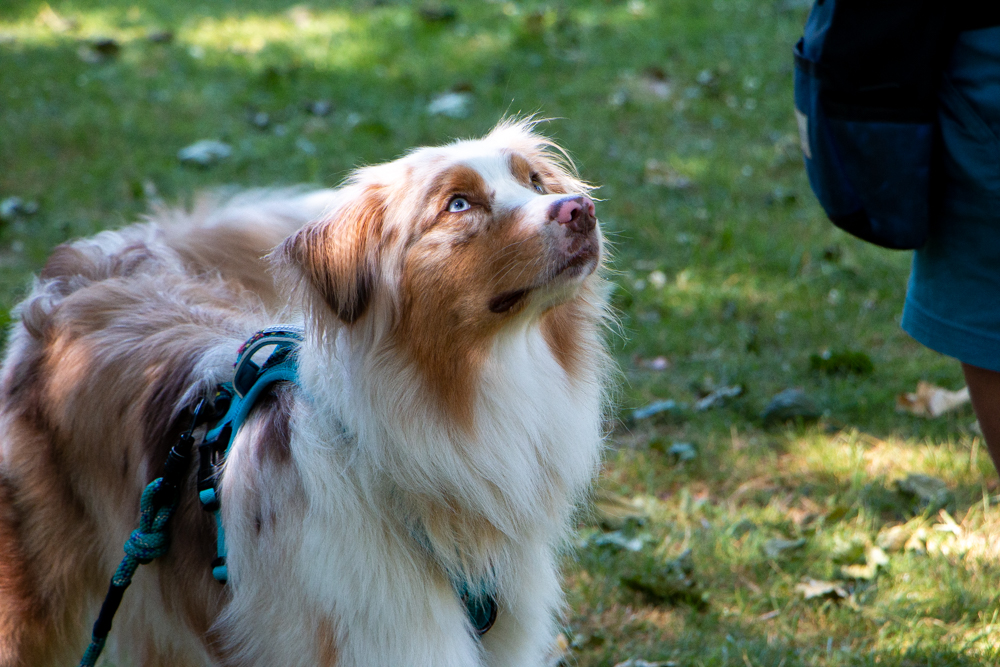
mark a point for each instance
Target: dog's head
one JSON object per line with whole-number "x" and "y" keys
{"x": 445, "y": 248}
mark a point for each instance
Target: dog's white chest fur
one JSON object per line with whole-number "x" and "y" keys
{"x": 388, "y": 576}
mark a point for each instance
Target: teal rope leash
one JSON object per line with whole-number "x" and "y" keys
{"x": 150, "y": 540}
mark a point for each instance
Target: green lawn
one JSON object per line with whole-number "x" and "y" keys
{"x": 724, "y": 264}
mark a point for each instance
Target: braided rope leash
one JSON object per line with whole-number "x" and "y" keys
{"x": 147, "y": 542}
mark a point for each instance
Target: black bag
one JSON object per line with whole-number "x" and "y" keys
{"x": 866, "y": 80}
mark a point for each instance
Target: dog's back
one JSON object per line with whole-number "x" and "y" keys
{"x": 117, "y": 332}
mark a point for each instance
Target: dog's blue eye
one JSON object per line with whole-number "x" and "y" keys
{"x": 459, "y": 204}
{"x": 537, "y": 185}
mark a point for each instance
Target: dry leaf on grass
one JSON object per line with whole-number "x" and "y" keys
{"x": 619, "y": 540}
{"x": 931, "y": 401}
{"x": 638, "y": 662}
{"x": 874, "y": 559}
{"x": 614, "y": 512}
{"x": 930, "y": 492}
{"x": 815, "y": 588}
{"x": 777, "y": 547}
{"x": 790, "y": 404}
{"x": 717, "y": 397}
{"x": 656, "y": 408}
{"x": 672, "y": 581}
{"x": 451, "y": 104}
{"x": 894, "y": 538}
{"x": 204, "y": 153}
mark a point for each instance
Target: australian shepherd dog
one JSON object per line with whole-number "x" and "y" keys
{"x": 446, "y": 420}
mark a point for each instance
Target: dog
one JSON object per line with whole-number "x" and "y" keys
{"x": 447, "y": 419}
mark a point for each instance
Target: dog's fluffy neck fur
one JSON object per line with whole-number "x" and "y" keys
{"x": 511, "y": 478}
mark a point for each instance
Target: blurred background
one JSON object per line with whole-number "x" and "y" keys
{"x": 777, "y": 492}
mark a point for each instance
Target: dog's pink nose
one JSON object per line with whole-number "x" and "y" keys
{"x": 576, "y": 212}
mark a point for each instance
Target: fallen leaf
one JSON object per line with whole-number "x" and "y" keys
{"x": 931, "y": 401}
{"x": 948, "y": 524}
{"x": 614, "y": 512}
{"x": 452, "y": 105}
{"x": 877, "y": 556}
{"x": 204, "y": 153}
{"x": 893, "y": 538}
{"x": 682, "y": 451}
{"x": 741, "y": 528}
{"x": 619, "y": 540}
{"x": 874, "y": 559}
{"x": 917, "y": 541}
{"x": 777, "y": 547}
{"x": 815, "y": 588}
{"x": 790, "y": 404}
{"x": 11, "y": 207}
{"x": 673, "y": 581}
{"x": 847, "y": 552}
{"x": 717, "y": 397}
{"x": 866, "y": 571}
{"x": 656, "y": 408}
{"x": 930, "y": 492}
{"x": 837, "y": 513}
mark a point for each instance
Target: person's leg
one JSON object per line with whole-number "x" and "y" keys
{"x": 984, "y": 389}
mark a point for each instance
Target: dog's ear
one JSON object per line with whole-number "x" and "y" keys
{"x": 338, "y": 255}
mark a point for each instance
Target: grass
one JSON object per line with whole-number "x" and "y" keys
{"x": 724, "y": 265}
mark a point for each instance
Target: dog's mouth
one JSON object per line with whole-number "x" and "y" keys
{"x": 580, "y": 264}
{"x": 505, "y": 302}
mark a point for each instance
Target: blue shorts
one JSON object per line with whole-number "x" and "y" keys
{"x": 953, "y": 299}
